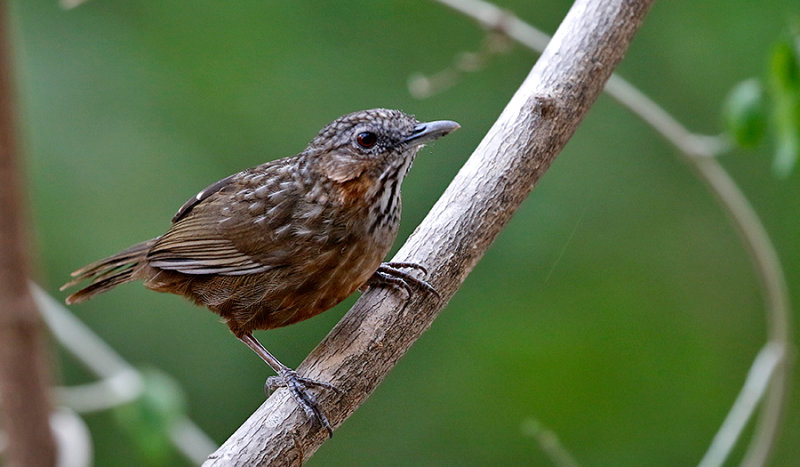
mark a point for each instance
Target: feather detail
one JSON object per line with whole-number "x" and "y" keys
{"x": 203, "y": 194}
{"x": 107, "y": 273}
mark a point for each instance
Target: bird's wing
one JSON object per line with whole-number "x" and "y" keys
{"x": 203, "y": 194}
{"x": 226, "y": 229}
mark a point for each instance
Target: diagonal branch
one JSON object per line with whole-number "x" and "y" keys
{"x": 700, "y": 152}
{"x": 534, "y": 127}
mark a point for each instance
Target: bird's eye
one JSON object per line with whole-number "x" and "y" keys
{"x": 367, "y": 139}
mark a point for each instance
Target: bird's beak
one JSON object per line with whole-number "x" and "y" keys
{"x": 429, "y": 131}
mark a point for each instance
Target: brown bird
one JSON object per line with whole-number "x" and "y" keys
{"x": 286, "y": 240}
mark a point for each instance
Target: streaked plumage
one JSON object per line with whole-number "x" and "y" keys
{"x": 288, "y": 239}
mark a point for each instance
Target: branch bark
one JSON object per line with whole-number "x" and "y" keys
{"x": 23, "y": 381}
{"x": 534, "y": 127}
{"x": 700, "y": 152}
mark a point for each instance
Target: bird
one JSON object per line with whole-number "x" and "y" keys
{"x": 286, "y": 240}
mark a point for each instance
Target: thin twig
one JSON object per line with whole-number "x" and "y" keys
{"x": 70, "y": 4}
{"x": 118, "y": 389}
{"x": 776, "y": 297}
{"x": 549, "y": 443}
{"x": 502, "y": 21}
{"x": 699, "y": 151}
{"x": 73, "y": 439}
{"x": 121, "y": 382}
{"x": 190, "y": 440}
{"x": 691, "y": 144}
{"x": 753, "y": 390}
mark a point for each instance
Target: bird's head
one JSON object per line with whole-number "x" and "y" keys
{"x": 376, "y": 144}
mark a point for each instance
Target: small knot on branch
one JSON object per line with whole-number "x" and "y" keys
{"x": 543, "y": 105}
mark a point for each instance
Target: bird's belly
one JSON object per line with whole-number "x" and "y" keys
{"x": 318, "y": 284}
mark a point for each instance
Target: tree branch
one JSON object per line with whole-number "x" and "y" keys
{"x": 700, "y": 152}
{"x": 534, "y": 127}
{"x": 494, "y": 18}
{"x": 23, "y": 380}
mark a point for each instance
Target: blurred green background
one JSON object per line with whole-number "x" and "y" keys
{"x": 618, "y": 308}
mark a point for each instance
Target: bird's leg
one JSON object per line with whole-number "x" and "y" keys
{"x": 297, "y": 385}
{"x": 391, "y": 274}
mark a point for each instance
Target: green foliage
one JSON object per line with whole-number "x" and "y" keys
{"x": 784, "y": 84}
{"x": 148, "y": 419}
{"x": 748, "y": 112}
{"x": 745, "y": 113}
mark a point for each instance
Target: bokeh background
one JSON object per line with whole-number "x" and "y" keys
{"x": 618, "y": 309}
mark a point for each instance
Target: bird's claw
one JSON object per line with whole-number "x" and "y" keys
{"x": 401, "y": 265}
{"x": 392, "y": 275}
{"x": 298, "y": 387}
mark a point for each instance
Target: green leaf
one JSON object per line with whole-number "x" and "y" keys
{"x": 784, "y": 81}
{"x": 745, "y": 113}
{"x": 149, "y": 419}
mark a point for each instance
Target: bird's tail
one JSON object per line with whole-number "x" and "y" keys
{"x": 107, "y": 273}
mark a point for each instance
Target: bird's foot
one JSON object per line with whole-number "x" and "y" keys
{"x": 391, "y": 274}
{"x": 298, "y": 386}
